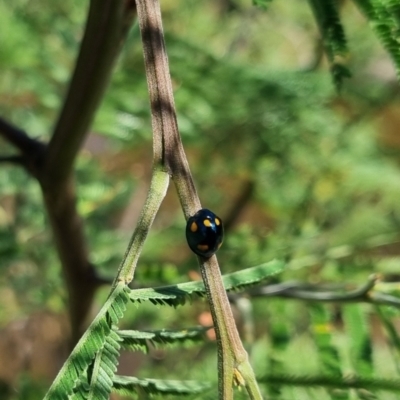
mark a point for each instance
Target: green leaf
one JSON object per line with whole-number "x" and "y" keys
{"x": 129, "y": 386}
{"x": 391, "y": 332}
{"x": 97, "y": 336}
{"x": 384, "y": 19}
{"x": 356, "y": 323}
{"x": 175, "y": 295}
{"x": 334, "y": 38}
{"x": 323, "y": 334}
{"x": 279, "y": 336}
{"x": 138, "y": 340}
{"x": 104, "y": 368}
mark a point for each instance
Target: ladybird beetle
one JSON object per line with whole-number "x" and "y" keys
{"x": 204, "y": 233}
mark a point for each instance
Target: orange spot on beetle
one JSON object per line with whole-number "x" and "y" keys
{"x": 202, "y": 247}
{"x": 217, "y": 222}
{"x": 193, "y": 227}
{"x": 207, "y": 223}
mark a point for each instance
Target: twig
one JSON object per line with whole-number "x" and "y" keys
{"x": 342, "y": 382}
{"x": 315, "y": 292}
{"x": 384, "y": 299}
{"x": 158, "y": 189}
{"x": 318, "y": 293}
{"x": 32, "y": 150}
{"x": 14, "y": 159}
{"x": 233, "y": 363}
{"x": 19, "y": 138}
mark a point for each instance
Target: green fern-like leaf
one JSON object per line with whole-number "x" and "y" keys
{"x": 394, "y": 9}
{"x": 384, "y": 18}
{"x": 81, "y": 388}
{"x": 129, "y": 386}
{"x": 322, "y": 334}
{"x": 94, "y": 339}
{"x": 356, "y": 323}
{"x": 391, "y": 332}
{"x": 138, "y": 340}
{"x": 104, "y": 368}
{"x": 280, "y": 337}
{"x": 346, "y": 382}
{"x": 332, "y": 32}
{"x": 176, "y": 295}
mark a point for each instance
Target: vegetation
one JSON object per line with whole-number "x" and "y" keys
{"x": 288, "y": 116}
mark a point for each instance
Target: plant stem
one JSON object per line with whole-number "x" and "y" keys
{"x": 158, "y": 188}
{"x": 168, "y": 150}
{"x": 19, "y": 138}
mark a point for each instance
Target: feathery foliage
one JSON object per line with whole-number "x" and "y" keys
{"x": 360, "y": 350}
{"x": 96, "y": 355}
{"x": 104, "y": 368}
{"x": 332, "y": 32}
{"x": 283, "y": 116}
{"x": 99, "y": 335}
{"x": 322, "y": 333}
{"x": 140, "y": 340}
{"x": 384, "y": 20}
{"x": 392, "y": 334}
{"x": 179, "y": 294}
{"x": 130, "y": 386}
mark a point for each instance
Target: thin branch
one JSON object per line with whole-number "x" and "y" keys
{"x": 342, "y": 382}
{"x": 319, "y": 293}
{"x": 19, "y": 138}
{"x": 32, "y": 150}
{"x": 306, "y": 291}
{"x": 384, "y": 299}
{"x": 167, "y": 142}
{"x": 14, "y": 159}
{"x": 158, "y": 189}
{"x": 233, "y": 364}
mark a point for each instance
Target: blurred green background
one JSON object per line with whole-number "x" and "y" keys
{"x": 294, "y": 168}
